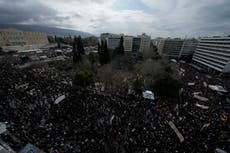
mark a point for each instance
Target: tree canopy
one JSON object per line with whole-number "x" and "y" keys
{"x": 82, "y": 77}
{"x": 120, "y": 49}
{"x": 78, "y": 49}
{"x": 103, "y": 52}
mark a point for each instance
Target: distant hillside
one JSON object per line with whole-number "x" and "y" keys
{"x": 49, "y": 30}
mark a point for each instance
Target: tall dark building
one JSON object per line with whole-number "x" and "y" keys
{"x": 136, "y": 44}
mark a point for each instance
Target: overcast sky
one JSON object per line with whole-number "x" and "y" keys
{"x": 174, "y": 18}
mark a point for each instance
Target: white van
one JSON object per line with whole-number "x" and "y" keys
{"x": 148, "y": 95}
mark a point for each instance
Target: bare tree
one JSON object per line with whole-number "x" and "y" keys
{"x": 151, "y": 69}
{"x": 115, "y": 81}
{"x": 150, "y": 52}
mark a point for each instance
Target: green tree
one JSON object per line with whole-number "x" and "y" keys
{"x": 99, "y": 51}
{"x": 58, "y": 44}
{"x": 51, "y": 39}
{"x": 82, "y": 77}
{"x": 74, "y": 50}
{"x": 58, "y": 41}
{"x": 121, "y": 50}
{"x": 55, "y": 38}
{"x": 166, "y": 86}
{"x": 106, "y": 54}
{"x": 92, "y": 58}
{"x": 103, "y": 52}
{"x": 138, "y": 85}
{"x": 78, "y": 49}
{"x": 151, "y": 52}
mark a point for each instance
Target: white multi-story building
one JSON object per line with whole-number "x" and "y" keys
{"x": 145, "y": 42}
{"x": 131, "y": 44}
{"x": 188, "y": 48}
{"x": 214, "y": 53}
{"x": 128, "y": 43}
{"x": 159, "y": 42}
{"x": 113, "y": 40}
{"x": 176, "y": 48}
{"x": 170, "y": 47}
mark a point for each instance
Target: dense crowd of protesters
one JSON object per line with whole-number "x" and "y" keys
{"x": 90, "y": 123}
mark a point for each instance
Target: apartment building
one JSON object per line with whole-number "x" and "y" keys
{"x": 145, "y": 42}
{"x": 136, "y": 45}
{"x": 188, "y": 48}
{"x": 170, "y": 47}
{"x": 214, "y": 53}
{"x": 176, "y": 48}
{"x": 113, "y": 40}
{"x": 131, "y": 44}
{"x": 160, "y": 44}
{"x": 113, "y": 43}
{"x": 128, "y": 43}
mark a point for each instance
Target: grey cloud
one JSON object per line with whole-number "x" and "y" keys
{"x": 92, "y": 20}
{"x": 216, "y": 13}
{"x": 18, "y": 11}
{"x": 78, "y": 15}
{"x": 213, "y": 19}
{"x": 99, "y": 1}
{"x": 203, "y": 17}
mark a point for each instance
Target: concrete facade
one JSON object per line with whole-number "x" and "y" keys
{"x": 113, "y": 40}
{"x": 131, "y": 44}
{"x": 214, "y": 53}
{"x": 176, "y": 48}
{"x": 136, "y": 45}
{"x": 128, "y": 43}
{"x": 113, "y": 43}
{"x": 170, "y": 47}
{"x": 145, "y": 42}
{"x": 14, "y": 37}
{"x": 160, "y": 45}
{"x": 188, "y": 47}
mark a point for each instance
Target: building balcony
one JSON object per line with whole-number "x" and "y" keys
{"x": 212, "y": 54}
{"x": 215, "y": 41}
{"x": 206, "y": 64}
{"x": 215, "y": 48}
{"x": 214, "y": 45}
{"x": 211, "y": 59}
{"x": 220, "y": 65}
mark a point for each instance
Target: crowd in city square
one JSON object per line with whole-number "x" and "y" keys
{"x": 90, "y": 122}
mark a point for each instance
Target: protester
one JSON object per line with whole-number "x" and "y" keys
{"x": 87, "y": 122}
